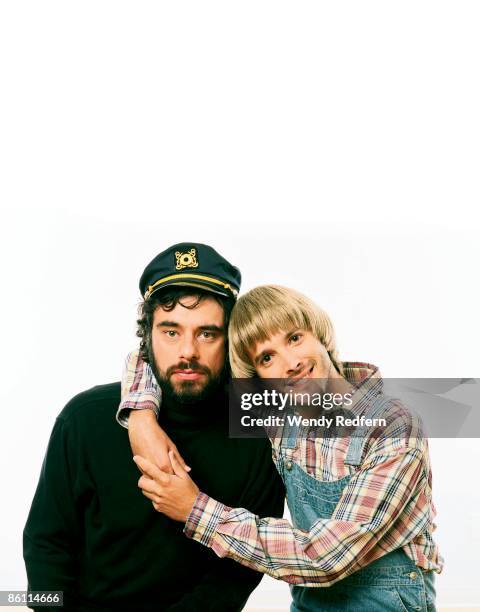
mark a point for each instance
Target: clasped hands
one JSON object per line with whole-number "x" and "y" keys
{"x": 165, "y": 479}
{"x": 172, "y": 494}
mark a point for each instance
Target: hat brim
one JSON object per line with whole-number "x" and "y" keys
{"x": 205, "y": 285}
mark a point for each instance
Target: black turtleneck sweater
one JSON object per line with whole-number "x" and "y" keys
{"x": 92, "y": 534}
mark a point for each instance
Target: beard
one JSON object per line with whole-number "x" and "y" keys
{"x": 188, "y": 391}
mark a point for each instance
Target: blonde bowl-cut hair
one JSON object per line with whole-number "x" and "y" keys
{"x": 268, "y": 309}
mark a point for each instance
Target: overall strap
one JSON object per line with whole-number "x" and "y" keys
{"x": 289, "y": 433}
{"x": 359, "y": 437}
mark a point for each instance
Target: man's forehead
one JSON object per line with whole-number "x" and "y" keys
{"x": 190, "y": 310}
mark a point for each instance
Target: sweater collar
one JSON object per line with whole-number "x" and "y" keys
{"x": 196, "y": 414}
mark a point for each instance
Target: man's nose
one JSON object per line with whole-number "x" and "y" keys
{"x": 189, "y": 349}
{"x": 293, "y": 365}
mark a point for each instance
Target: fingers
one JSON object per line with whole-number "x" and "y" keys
{"x": 179, "y": 458}
{"x": 154, "y": 498}
{"x": 166, "y": 467}
{"x": 156, "y": 502}
{"x": 152, "y": 488}
{"x": 177, "y": 466}
{"x": 149, "y": 486}
{"x": 151, "y": 470}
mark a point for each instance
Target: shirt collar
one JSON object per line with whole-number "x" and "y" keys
{"x": 367, "y": 382}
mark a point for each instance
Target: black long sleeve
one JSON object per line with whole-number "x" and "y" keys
{"x": 223, "y": 589}
{"x": 231, "y": 582}
{"x": 93, "y": 535}
{"x": 50, "y": 537}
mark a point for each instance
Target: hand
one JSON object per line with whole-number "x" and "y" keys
{"x": 171, "y": 495}
{"x": 149, "y": 440}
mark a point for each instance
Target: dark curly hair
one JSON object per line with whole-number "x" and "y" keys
{"x": 168, "y": 299}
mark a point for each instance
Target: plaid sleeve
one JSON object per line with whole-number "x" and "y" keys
{"x": 139, "y": 388}
{"x": 381, "y": 509}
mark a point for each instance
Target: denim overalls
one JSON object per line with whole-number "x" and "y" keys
{"x": 392, "y": 583}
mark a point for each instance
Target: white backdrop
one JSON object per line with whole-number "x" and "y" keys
{"x": 331, "y": 148}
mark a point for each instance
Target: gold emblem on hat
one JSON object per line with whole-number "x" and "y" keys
{"x": 186, "y": 260}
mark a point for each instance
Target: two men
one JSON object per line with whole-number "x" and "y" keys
{"x": 90, "y": 533}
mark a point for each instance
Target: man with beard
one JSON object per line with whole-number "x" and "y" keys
{"x": 90, "y": 533}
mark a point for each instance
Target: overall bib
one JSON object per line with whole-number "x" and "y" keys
{"x": 392, "y": 583}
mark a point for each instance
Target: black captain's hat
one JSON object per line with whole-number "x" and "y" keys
{"x": 194, "y": 265}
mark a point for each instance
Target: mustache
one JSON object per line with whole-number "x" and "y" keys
{"x": 195, "y": 367}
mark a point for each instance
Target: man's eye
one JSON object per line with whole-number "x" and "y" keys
{"x": 207, "y": 334}
{"x": 266, "y": 359}
{"x": 295, "y": 337}
{"x": 171, "y": 333}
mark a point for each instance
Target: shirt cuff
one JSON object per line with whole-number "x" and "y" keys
{"x": 146, "y": 402}
{"x": 204, "y": 518}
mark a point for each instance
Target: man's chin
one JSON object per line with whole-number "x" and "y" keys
{"x": 189, "y": 389}
{"x": 188, "y": 392}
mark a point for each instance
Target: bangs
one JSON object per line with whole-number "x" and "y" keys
{"x": 259, "y": 324}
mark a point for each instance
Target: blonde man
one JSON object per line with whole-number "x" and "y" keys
{"x": 361, "y": 506}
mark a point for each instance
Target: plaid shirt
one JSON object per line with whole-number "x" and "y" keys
{"x": 139, "y": 388}
{"x": 386, "y": 505}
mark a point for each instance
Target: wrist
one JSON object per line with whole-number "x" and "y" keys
{"x": 142, "y": 415}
